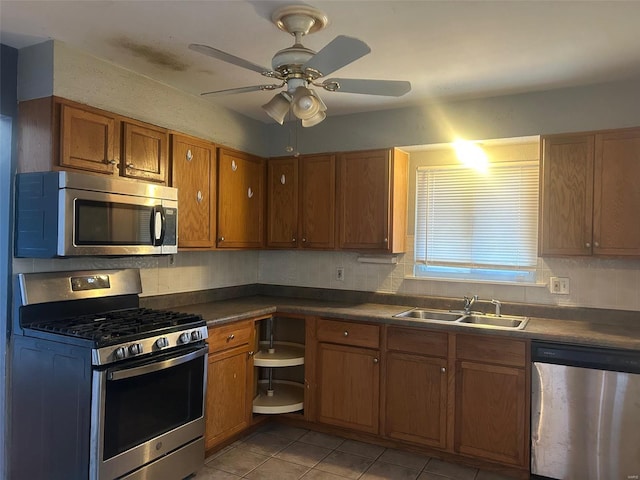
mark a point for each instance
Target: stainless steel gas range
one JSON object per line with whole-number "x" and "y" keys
{"x": 100, "y": 388}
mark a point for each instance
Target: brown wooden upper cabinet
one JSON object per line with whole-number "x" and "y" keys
{"x": 241, "y": 185}
{"x": 88, "y": 140}
{"x": 193, "y": 163}
{"x": 301, "y": 202}
{"x": 589, "y": 195}
{"x": 144, "y": 152}
{"x": 372, "y": 200}
{"x": 58, "y": 134}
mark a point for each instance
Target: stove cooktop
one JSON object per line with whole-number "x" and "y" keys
{"x": 108, "y": 328}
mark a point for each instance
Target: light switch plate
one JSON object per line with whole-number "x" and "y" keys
{"x": 559, "y": 285}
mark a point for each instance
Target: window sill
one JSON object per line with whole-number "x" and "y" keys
{"x": 472, "y": 280}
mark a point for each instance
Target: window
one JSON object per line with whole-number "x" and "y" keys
{"x": 479, "y": 226}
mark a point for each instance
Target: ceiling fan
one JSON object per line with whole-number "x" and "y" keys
{"x": 298, "y": 68}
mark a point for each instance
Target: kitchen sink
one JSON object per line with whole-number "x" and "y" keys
{"x": 503, "y": 321}
{"x": 474, "y": 319}
{"x": 425, "y": 314}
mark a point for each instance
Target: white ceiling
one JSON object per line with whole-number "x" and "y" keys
{"x": 448, "y": 50}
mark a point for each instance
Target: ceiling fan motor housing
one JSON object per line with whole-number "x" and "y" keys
{"x": 289, "y": 61}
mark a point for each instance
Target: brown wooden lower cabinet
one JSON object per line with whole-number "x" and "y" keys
{"x": 491, "y": 399}
{"x": 464, "y": 395}
{"x": 416, "y": 399}
{"x": 348, "y": 386}
{"x": 490, "y": 412}
{"x": 229, "y": 382}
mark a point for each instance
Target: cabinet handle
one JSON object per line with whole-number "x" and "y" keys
{"x": 112, "y": 162}
{"x": 293, "y": 240}
{"x": 588, "y": 245}
{"x": 386, "y": 240}
{"x": 129, "y": 165}
{"x": 250, "y": 193}
{"x": 375, "y": 360}
{"x": 230, "y": 337}
{"x": 304, "y": 240}
{"x": 199, "y": 196}
{"x": 443, "y": 370}
{"x": 251, "y": 354}
{"x": 234, "y": 165}
{"x": 189, "y": 155}
{"x": 596, "y": 244}
{"x": 221, "y": 239}
{"x": 346, "y": 334}
{"x": 283, "y": 179}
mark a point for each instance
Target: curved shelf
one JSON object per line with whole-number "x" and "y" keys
{"x": 287, "y": 397}
{"x": 286, "y": 354}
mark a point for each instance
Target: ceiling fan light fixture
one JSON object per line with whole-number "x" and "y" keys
{"x": 278, "y": 107}
{"x": 305, "y": 104}
{"x": 316, "y": 119}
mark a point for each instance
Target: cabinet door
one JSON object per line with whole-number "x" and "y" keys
{"x": 88, "y": 141}
{"x": 240, "y": 199}
{"x": 363, "y": 209}
{"x": 317, "y": 201}
{"x": 194, "y": 175}
{"x": 348, "y": 381}
{"x": 282, "y": 202}
{"x": 416, "y": 399}
{"x": 228, "y": 409}
{"x": 566, "y": 199}
{"x": 490, "y": 420}
{"x": 616, "y": 230}
{"x": 144, "y": 152}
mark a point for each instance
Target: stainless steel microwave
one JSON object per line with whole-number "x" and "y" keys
{"x": 60, "y": 214}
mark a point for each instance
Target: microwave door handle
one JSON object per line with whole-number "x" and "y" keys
{"x": 158, "y": 225}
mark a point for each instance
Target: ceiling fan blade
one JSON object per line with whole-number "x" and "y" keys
{"x": 389, "y": 88}
{"x": 341, "y": 51}
{"x": 227, "y": 57}
{"x": 230, "y": 91}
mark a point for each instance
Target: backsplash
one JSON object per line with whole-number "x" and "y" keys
{"x": 183, "y": 272}
{"x": 597, "y": 283}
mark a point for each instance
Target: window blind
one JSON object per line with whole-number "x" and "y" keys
{"x": 469, "y": 219}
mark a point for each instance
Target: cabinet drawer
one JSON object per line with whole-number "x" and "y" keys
{"x": 413, "y": 340}
{"x": 491, "y": 350}
{"x": 348, "y": 333}
{"x": 229, "y": 336}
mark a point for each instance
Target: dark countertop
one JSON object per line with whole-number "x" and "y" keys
{"x": 613, "y": 333}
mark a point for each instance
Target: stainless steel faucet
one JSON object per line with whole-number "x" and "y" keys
{"x": 498, "y": 305}
{"x": 468, "y": 303}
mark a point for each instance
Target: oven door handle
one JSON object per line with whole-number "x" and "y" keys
{"x": 156, "y": 366}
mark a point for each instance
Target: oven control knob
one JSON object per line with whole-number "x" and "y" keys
{"x": 162, "y": 342}
{"x": 120, "y": 353}
{"x": 135, "y": 349}
{"x": 184, "y": 337}
{"x": 196, "y": 335}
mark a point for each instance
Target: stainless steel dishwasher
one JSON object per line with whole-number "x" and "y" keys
{"x": 585, "y": 413}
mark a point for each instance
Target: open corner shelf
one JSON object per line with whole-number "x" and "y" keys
{"x": 286, "y": 354}
{"x": 287, "y": 397}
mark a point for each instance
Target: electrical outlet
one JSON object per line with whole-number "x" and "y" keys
{"x": 559, "y": 285}
{"x": 340, "y": 274}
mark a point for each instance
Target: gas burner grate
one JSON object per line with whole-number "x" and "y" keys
{"x": 121, "y": 324}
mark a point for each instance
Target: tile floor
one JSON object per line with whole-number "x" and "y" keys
{"x": 281, "y": 452}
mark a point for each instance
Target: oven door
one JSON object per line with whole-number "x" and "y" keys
{"x": 142, "y": 410}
